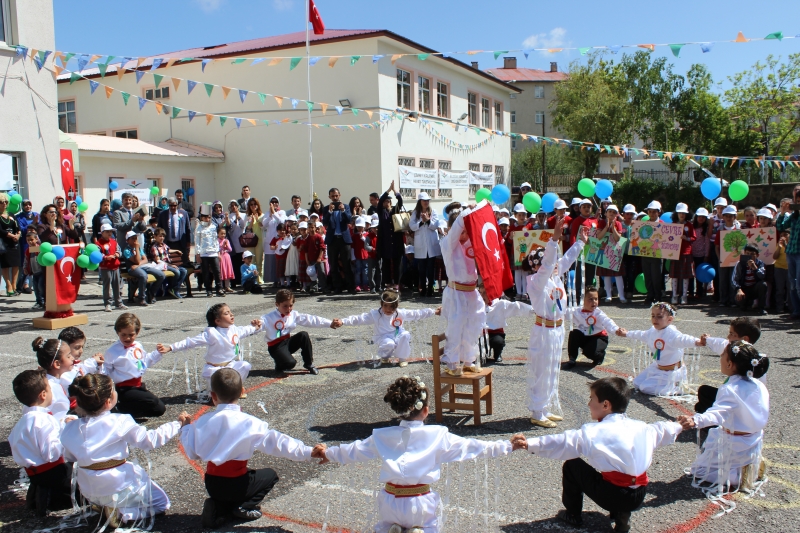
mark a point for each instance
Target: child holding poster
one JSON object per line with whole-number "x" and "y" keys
{"x": 680, "y": 272}
{"x": 611, "y": 226}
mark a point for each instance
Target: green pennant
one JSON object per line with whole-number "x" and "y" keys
{"x": 74, "y": 76}
{"x": 676, "y": 49}
{"x": 41, "y": 55}
{"x": 262, "y": 97}
{"x": 295, "y": 122}
{"x": 310, "y": 106}
{"x": 422, "y": 57}
{"x": 222, "y": 120}
{"x": 209, "y": 88}
{"x": 239, "y": 60}
{"x": 584, "y": 51}
{"x": 176, "y": 111}
{"x": 125, "y": 96}
{"x": 775, "y": 35}
{"x": 102, "y": 67}
{"x": 158, "y": 78}
{"x": 354, "y": 60}
{"x": 109, "y": 59}
{"x": 67, "y": 57}
{"x": 608, "y": 148}
{"x": 185, "y": 59}
{"x": 294, "y": 62}
{"x": 498, "y": 53}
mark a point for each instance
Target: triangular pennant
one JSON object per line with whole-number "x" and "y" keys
{"x": 83, "y": 60}
{"x": 324, "y": 108}
{"x": 209, "y": 118}
{"x": 102, "y": 67}
{"x": 275, "y": 61}
{"x": 354, "y": 60}
{"x": 242, "y": 94}
{"x": 139, "y": 61}
{"x": 204, "y": 63}
{"x": 67, "y": 57}
{"x": 584, "y": 50}
{"x": 740, "y": 38}
{"x": 157, "y": 78}
{"x": 60, "y": 57}
{"x": 125, "y": 97}
{"x": 159, "y": 108}
{"x": 294, "y": 62}
{"x": 313, "y": 61}
{"x": 262, "y": 97}
{"x": 93, "y": 85}
{"x": 73, "y": 77}
{"x": 775, "y": 35}
{"x": 355, "y": 111}
{"x": 332, "y": 61}
{"x": 339, "y": 109}
{"x": 310, "y": 106}
{"x": 222, "y": 121}
{"x": 395, "y": 57}
{"x": 294, "y": 103}
{"x": 156, "y": 63}
{"x": 279, "y": 100}
{"x": 225, "y": 91}
{"x": 109, "y": 91}
{"x": 171, "y": 62}
{"x": 176, "y": 111}
{"x": 120, "y": 72}
{"x": 498, "y": 53}
{"x": 142, "y": 102}
{"x": 57, "y": 70}
{"x": 239, "y": 61}
{"x": 190, "y": 85}
{"x": 94, "y": 58}
{"x": 209, "y": 88}
{"x": 555, "y": 50}
{"x": 238, "y": 122}
{"x": 251, "y": 121}
{"x": 192, "y": 115}
{"x": 650, "y": 47}
{"x": 258, "y": 60}
{"x": 473, "y": 52}
{"x": 676, "y": 49}
{"x": 423, "y": 57}
{"x": 526, "y": 53}
{"x": 176, "y": 82}
{"x": 139, "y": 74}
{"x": 369, "y": 113}
{"x": 706, "y": 47}
{"x": 377, "y": 58}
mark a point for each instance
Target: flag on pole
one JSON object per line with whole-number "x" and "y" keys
{"x": 67, "y": 276}
{"x": 489, "y": 250}
{"x": 315, "y": 19}
{"x": 67, "y": 173}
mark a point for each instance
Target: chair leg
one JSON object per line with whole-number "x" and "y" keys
{"x": 451, "y": 397}
{"x": 476, "y": 401}
{"x": 489, "y": 402}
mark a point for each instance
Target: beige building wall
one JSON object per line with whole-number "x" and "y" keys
{"x": 526, "y": 106}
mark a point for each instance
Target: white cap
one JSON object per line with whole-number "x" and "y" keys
{"x": 360, "y": 221}
{"x": 495, "y": 209}
{"x": 629, "y": 208}
{"x": 314, "y": 215}
{"x": 410, "y": 249}
{"x": 764, "y": 212}
{"x": 575, "y": 200}
{"x": 375, "y": 222}
{"x": 701, "y": 212}
{"x": 720, "y": 201}
{"x": 205, "y": 210}
{"x": 106, "y": 227}
{"x": 291, "y": 218}
{"x": 274, "y": 198}
{"x": 613, "y": 207}
{"x": 130, "y": 234}
{"x": 519, "y": 208}
{"x": 319, "y": 224}
{"x": 525, "y": 184}
{"x": 730, "y": 210}
{"x": 772, "y": 206}
{"x": 504, "y": 210}
{"x": 682, "y": 208}
{"x": 302, "y": 225}
{"x": 609, "y": 200}
{"x": 423, "y": 196}
{"x": 502, "y": 221}
{"x": 654, "y": 205}
{"x": 560, "y": 204}
{"x": 246, "y": 254}
{"x": 374, "y": 218}
{"x": 586, "y": 201}
{"x": 302, "y": 213}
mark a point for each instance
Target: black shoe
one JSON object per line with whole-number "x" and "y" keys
{"x": 30, "y": 497}
{"x": 498, "y": 358}
{"x": 26, "y": 290}
{"x": 622, "y": 521}
{"x": 569, "y": 518}
{"x": 42, "y": 499}
{"x": 220, "y": 294}
{"x": 763, "y": 312}
{"x": 247, "y": 514}
{"x": 208, "y": 294}
{"x": 571, "y": 364}
{"x": 209, "y": 516}
{"x": 312, "y": 370}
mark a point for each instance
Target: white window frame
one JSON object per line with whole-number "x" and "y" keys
{"x": 472, "y": 108}
{"x": 424, "y": 94}
{"x": 513, "y": 144}
{"x": 18, "y": 181}
{"x": 67, "y": 112}
{"x": 404, "y": 89}
{"x": 486, "y": 112}
{"x": 538, "y": 91}
{"x": 155, "y": 96}
{"x": 127, "y": 133}
{"x": 539, "y": 117}
{"x": 187, "y": 182}
{"x": 429, "y": 164}
{"x": 442, "y": 97}
{"x": 513, "y": 117}
{"x": 7, "y": 37}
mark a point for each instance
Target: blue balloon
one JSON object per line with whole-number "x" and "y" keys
{"x": 78, "y": 200}
{"x": 666, "y": 217}
{"x": 59, "y": 252}
{"x": 711, "y": 187}
{"x": 500, "y": 194}
{"x": 549, "y": 201}
{"x": 603, "y": 189}
{"x": 190, "y": 191}
{"x": 113, "y": 185}
{"x": 705, "y": 273}
{"x": 96, "y": 257}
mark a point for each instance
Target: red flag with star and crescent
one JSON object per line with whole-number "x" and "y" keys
{"x": 315, "y": 19}
{"x": 67, "y": 173}
{"x": 490, "y": 254}
{"x": 68, "y": 276}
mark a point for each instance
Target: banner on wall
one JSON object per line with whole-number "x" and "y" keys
{"x": 418, "y": 178}
{"x": 484, "y": 179}
{"x": 527, "y": 240}
{"x": 605, "y": 252}
{"x": 656, "y": 239}
{"x": 139, "y": 188}
{"x": 453, "y": 180}
{"x": 732, "y": 243}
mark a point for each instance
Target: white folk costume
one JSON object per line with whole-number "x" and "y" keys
{"x": 36, "y": 440}
{"x": 740, "y": 414}
{"x": 99, "y": 447}
{"x": 411, "y": 456}
{"x": 666, "y": 375}
{"x": 593, "y": 322}
{"x": 549, "y": 301}
{"x": 126, "y": 365}
{"x": 589, "y": 334}
{"x": 462, "y": 306}
{"x": 498, "y": 313}
{"x": 278, "y": 328}
{"x": 224, "y": 349}
{"x": 388, "y": 333}
{"x": 60, "y": 387}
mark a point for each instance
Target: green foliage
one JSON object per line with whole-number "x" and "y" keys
{"x": 526, "y": 165}
{"x": 734, "y": 242}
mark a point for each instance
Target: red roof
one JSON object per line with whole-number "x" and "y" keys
{"x": 512, "y": 75}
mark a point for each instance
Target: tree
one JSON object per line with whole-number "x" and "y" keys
{"x": 526, "y": 165}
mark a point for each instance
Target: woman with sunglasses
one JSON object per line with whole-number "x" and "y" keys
{"x": 9, "y": 251}
{"x": 53, "y": 229}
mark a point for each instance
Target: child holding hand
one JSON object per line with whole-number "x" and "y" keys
{"x": 591, "y": 330}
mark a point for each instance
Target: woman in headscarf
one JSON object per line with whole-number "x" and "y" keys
{"x": 391, "y": 246}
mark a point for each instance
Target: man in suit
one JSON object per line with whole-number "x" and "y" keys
{"x": 244, "y": 199}
{"x": 125, "y": 220}
{"x": 184, "y": 204}
{"x": 175, "y": 221}
{"x": 337, "y": 238}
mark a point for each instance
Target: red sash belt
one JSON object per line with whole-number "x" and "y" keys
{"x": 135, "y": 382}
{"x": 35, "y": 470}
{"x": 227, "y": 469}
{"x": 495, "y": 331}
{"x": 625, "y": 480}
{"x": 279, "y": 340}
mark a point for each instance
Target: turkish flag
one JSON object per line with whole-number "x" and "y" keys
{"x": 67, "y": 173}
{"x": 315, "y": 19}
{"x": 67, "y": 276}
{"x": 489, "y": 249}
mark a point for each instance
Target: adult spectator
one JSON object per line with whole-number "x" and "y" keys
{"x": 103, "y": 216}
{"x": 234, "y": 225}
{"x": 373, "y": 203}
{"x": 791, "y": 222}
{"x": 52, "y": 227}
{"x": 125, "y": 220}
{"x": 184, "y": 204}
{"x": 61, "y": 204}
{"x": 26, "y": 217}
{"x": 424, "y": 223}
{"x": 356, "y": 207}
{"x": 217, "y": 215}
{"x": 269, "y": 222}
{"x": 175, "y": 221}
{"x": 161, "y": 206}
{"x": 80, "y": 221}
{"x": 245, "y": 198}
{"x": 391, "y": 247}
{"x": 10, "y": 237}
{"x": 316, "y": 207}
{"x": 253, "y": 216}
{"x": 296, "y": 209}
{"x": 338, "y": 240}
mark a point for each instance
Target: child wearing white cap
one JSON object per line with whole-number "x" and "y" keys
{"x": 729, "y": 222}
{"x": 700, "y": 249}
{"x": 630, "y": 263}
{"x": 359, "y": 237}
{"x": 109, "y": 267}
{"x": 651, "y": 266}
{"x": 518, "y": 223}
{"x": 249, "y": 274}
{"x": 681, "y": 271}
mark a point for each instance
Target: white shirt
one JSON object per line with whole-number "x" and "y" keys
{"x": 60, "y": 404}
{"x": 597, "y": 320}
{"x": 742, "y": 404}
{"x": 223, "y": 343}
{"x": 615, "y": 444}
{"x": 545, "y": 287}
{"x": 228, "y": 434}
{"x": 669, "y": 341}
{"x": 276, "y": 325}
{"x": 269, "y": 225}
{"x": 424, "y": 235}
{"x": 413, "y": 452}
{"x": 459, "y": 259}
{"x": 718, "y": 345}
{"x": 237, "y": 223}
{"x": 501, "y": 310}
{"x": 80, "y": 368}
{"x": 128, "y": 362}
{"x": 36, "y": 438}
{"x": 382, "y": 324}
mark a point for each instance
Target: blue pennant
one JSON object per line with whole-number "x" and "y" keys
{"x": 190, "y": 85}
{"x": 313, "y": 61}
{"x": 377, "y": 58}
{"x": 139, "y": 74}
{"x": 82, "y": 62}
{"x": 339, "y": 109}
{"x": 257, "y": 60}
{"x": 238, "y": 122}
{"x": 294, "y": 103}
{"x": 526, "y": 53}
{"x": 242, "y": 94}
{"x": 615, "y": 48}
{"x": 204, "y": 63}
{"x": 706, "y": 47}
{"x": 191, "y": 115}
{"x": 21, "y": 51}
{"x": 93, "y": 85}
{"x": 156, "y": 63}
{"x": 142, "y": 102}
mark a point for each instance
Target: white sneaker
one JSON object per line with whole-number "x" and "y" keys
{"x": 674, "y": 298}
{"x": 607, "y": 299}
{"x": 684, "y": 300}
{"x": 402, "y": 364}
{"x": 395, "y": 529}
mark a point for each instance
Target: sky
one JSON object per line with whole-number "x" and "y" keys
{"x": 148, "y": 27}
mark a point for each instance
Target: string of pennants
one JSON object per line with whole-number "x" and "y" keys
{"x": 425, "y": 123}
{"x": 85, "y": 60}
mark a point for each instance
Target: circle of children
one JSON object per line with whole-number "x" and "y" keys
{"x": 79, "y": 417}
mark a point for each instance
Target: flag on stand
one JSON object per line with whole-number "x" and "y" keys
{"x": 315, "y": 19}
{"x": 67, "y": 276}
{"x": 490, "y": 253}
{"x": 67, "y": 173}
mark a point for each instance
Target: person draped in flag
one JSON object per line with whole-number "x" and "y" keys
{"x": 666, "y": 375}
{"x": 223, "y": 341}
{"x": 548, "y": 299}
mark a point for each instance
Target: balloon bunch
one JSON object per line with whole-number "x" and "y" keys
{"x": 90, "y": 257}
{"x": 603, "y": 188}
{"x": 14, "y": 202}
{"x": 499, "y": 194}
{"x": 712, "y": 187}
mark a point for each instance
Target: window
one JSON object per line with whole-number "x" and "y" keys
{"x": 498, "y": 116}
{"x": 403, "y": 89}
{"x": 78, "y": 189}
{"x": 472, "y": 108}
{"x": 540, "y": 117}
{"x": 407, "y": 162}
{"x": 499, "y": 176}
{"x": 427, "y": 163}
{"x": 445, "y": 193}
{"x": 162, "y": 93}
{"x": 486, "y": 116}
{"x": 513, "y": 144}
{"x": 442, "y": 100}
{"x": 5, "y": 22}
{"x": 67, "y": 119}
{"x": 513, "y": 117}
{"x": 186, "y": 184}
{"x": 10, "y": 165}
{"x": 475, "y": 167}
{"x": 538, "y": 91}
{"x": 424, "y": 96}
{"x": 126, "y": 134}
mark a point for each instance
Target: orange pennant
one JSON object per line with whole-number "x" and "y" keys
{"x": 324, "y": 108}
{"x": 275, "y": 61}
{"x": 369, "y": 113}
{"x": 332, "y": 61}
{"x": 712, "y": 159}
{"x": 33, "y": 52}
{"x": 159, "y": 108}
{"x": 58, "y": 55}
{"x": 225, "y": 91}
{"x": 757, "y": 162}
{"x": 58, "y": 70}
{"x": 733, "y": 159}
{"x": 120, "y": 71}
{"x": 171, "y": 62}
{"x": 740, "y": 38}
{"x": 109, "y": 91}
{"x": 251, "y": 121}
{"x": 473, "y": 52}
{"x": 316, "y": 126}
{"x": 176, "y": 82}
{"x": 94, "y": 58}
{"x": 285, "y": 120}
{"x": 650, "y": 47}
{"x": 139, "y": 61}
{"x": 209, "y": 118}
{"x": 279, "y": 99}
{"x": 396, "y": 57}
{"x": 554, "y": 50}
{"x": 351, "y": 128}
{"x": 55, "y": 74}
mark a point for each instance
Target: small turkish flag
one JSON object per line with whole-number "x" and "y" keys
{"x": 67, "y": 173}
{"x": 489, "y": 250}
{"x": 67, "y": 276}
{"x": 315, "y": 19}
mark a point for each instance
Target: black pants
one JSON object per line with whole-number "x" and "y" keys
{"x": 139, "y": 402}
{"x": 390, "y": 269}
{"x": 252, "y": 285}
{"x": 247, "y": 491}
{"x": 210, "y": 266}
{"x": 497, "y": 341}
{"x": 339, "y": 251}
{"x": 580, "y": 478}
{"x": 282, "y": 352}
{"x": 706, "y": 396}
{"x": 426, "y": 269}
{"x": 633, "y": 266}
{"x": 653, "y": 278}
{"x": 759, "y": 290}
{"x": 58, "y": 481}
{"x": 236, "y": 259}
{"x": 593, "y": 346}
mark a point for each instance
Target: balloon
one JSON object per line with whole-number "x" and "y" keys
{"x": 738, "y": 190}
{"x": 83, "y": 261}
{"x": 59, "y": 252}
{"x": 154, "y": 190}
{"x": 113, "y": 185}
{"x": 586, "y": 187}
{"x": 78, "y": 200}
{"x": 641, "y": 287}
{"x": 91, "y": 248}
{"x": 532, "y": 202}
{"x": 667, "y": 217}
{"x": 603, "y": 189}
{"x": 190, "y": 191}
{"x": 16, "y": 198}
{"x": 705, "y": 273}
{"x": 96, "y": 257}
{"x": 83, "y": 207}
{"x": 45, "y": 247}
{"x": 13, "y": 208}
{"x": 48, "y": 259}
{"x": 93, "y": 266}
{"x": 645, "y": 218}
{"x": 549, "y": 201}
{"x": 482, "y": 194}
{"x": 711, "y": 187}
{"x": 500, "y": 194}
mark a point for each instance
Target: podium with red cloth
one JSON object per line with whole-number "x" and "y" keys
{"x": 62, "y": 282}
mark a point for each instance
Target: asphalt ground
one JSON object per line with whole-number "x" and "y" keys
{"x": 344, "y": 402}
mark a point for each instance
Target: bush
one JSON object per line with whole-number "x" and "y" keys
{"x": 642, "y": 192}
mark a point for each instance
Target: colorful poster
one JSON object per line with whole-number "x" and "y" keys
{"x": 656, "y": 239}
{"x": 732, "y": 244}
{"x": 527, "y": 240}
{"x": 605, "y": 252}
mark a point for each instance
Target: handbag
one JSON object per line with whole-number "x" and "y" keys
{"x": 401, "y": 220}
{"x": 248, "y": 240}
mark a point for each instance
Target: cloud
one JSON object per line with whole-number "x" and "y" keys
{"x": 553, "y": 39}
{"x": 209, "y": 5}
{"x": 282, "y": 5}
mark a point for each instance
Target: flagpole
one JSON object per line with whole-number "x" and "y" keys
{"x": 308, "y": 79}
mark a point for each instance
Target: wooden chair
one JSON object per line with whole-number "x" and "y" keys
{"x": 445, "y": 384}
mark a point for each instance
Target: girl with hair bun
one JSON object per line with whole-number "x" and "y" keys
{"x": 411, "y": 456}
{"x": 737, "y": 418}
{"x": 99, "y": 444}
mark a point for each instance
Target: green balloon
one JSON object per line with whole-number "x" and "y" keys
{"x": 45, "y": 247}
{"x": 483, "y": 194}
{"x": 48, "y": 259}
{"x": 738, "y": 190}
{"x": 640, "y": 284}
{"x": 83, "y": 207}
{"x": 91, "y": 248}
{"x": 13, "y": 208}
{"x": 154, "y": 190}
{"x": 16, "y": 198}
{"x": 532, "y": 202}
{"x": 645, "y": 218}
{"x": 83, "y": 261}
{"x": 586, "y": 187}
{"x": 93, "y": 266}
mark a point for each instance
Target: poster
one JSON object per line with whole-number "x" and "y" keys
{"x": 605, "y": 252}
{"x": 527, "y": 240}
{"x": 142, "y": 194}
{"x": 658, "y": 240}
{"x": 484, "y": 179}
{"x": 418, "y": 178}
{"x": 453, "y": 180}
{"x": 732, "y": 243}
{"x": 139, "y": 188}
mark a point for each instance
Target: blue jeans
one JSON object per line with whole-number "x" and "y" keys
{"x": 794, "y": 282}
{"x": 177, "y": 280}
{"x": 38, "y": 287}
{"x": 140, "y": 275}
{"x": 361, "y": 278}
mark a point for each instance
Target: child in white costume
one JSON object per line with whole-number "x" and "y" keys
{"x": 497, "y": 314}
{"x": 549, "y": 302}
{"x": 388, "y": 332}
{"x": 666, "y": 375}
{"x": 738, "y": 416}
{"x": 411, "y": 456}
{"x": 99, "y": 444}
{"x": 590, "y": 333}
{"x": 222, "y": 338}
